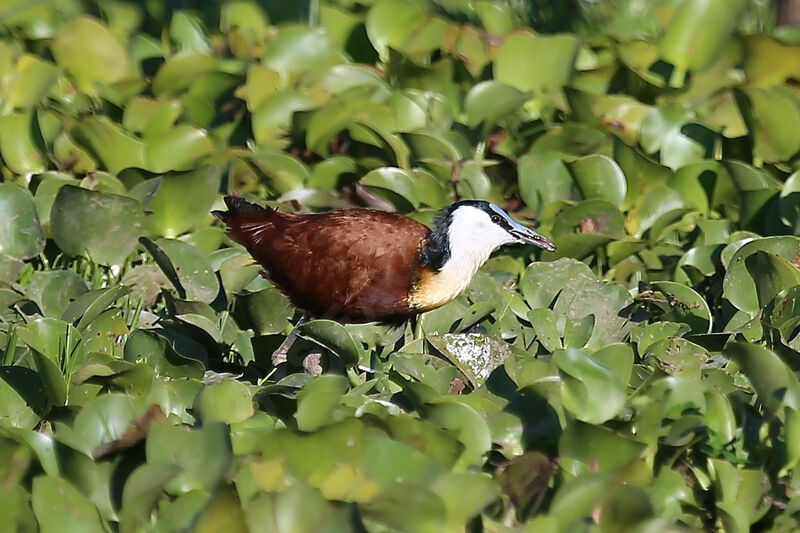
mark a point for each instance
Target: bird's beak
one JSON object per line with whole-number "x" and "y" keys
{"x": 525, "y": 235}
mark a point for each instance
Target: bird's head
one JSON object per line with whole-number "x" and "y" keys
{"x": 474, "y": 229}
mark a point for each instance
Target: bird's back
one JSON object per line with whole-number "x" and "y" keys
{"x": 351, "y": 265}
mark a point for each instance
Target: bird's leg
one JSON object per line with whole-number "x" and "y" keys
{"x": 279, "y": 356}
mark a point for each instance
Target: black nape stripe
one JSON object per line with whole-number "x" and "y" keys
{"x": 437, "y": 251}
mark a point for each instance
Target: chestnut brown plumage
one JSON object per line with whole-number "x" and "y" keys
{"x": 360, "y": 265}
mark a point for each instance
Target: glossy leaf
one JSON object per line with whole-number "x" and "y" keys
{"x": 103, "y": 226}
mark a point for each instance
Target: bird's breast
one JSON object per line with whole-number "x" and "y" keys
{"x": 432, "y": 289}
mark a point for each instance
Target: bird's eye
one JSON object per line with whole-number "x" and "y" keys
{"x": 496, "y": 219}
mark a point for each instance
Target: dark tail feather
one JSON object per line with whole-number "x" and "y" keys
{"x": 239, "y": 206}
{"x": 248, "y": 223}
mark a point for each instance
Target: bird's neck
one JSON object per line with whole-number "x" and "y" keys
{"x": 434, "y": 287}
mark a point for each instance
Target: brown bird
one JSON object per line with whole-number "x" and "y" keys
{"x": 361, "y": 265}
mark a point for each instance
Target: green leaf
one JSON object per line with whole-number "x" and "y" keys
{"x": 20, "y": 233}
{"x": 776, "y": 121}
{"x": 489, "y": 102}
{"x": 600, "y": 177}
{"x": 228, "y": 401}
{"x": 584, "y": 379}
{"x": 59, "y": 507}
{"x": 391, "y": 23}
{"x": 698, "y": 32}
{"x": 536, "y": 63}
{"x": 334, "y": 337}
{"x": 103, "y": 226}
{"x": 90, "y": 53}
{"x": 468, "y": 425}
{"x": 186, "y": 268}
{"x": 21, "y": 143}
{"x": 774, "y": 383}
{"x": 21, "y": 395}
{"x": 54, "y": 291}
{"x": 317, "y": 400}
{"x": 203, "y": 454}
{"x": 474, "y": 354}
{"x": 183, "y": 200}
{"x": 544, "y": 325}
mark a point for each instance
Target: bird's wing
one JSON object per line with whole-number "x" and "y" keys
{"x": 351, "y": 263}
{"x": 355, "y": 263}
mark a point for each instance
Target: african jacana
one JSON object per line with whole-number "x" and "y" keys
{"x": 362, "y": 265}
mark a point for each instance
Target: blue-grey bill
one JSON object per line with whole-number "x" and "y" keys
{"x": 529, "y": 236}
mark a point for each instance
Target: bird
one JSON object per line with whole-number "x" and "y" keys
{"x": 363, "y": 265}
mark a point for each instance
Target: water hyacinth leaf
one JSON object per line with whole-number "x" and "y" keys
{"x": 183, "y": 200}
{"x": 535, "y": 62}
{"x": 790, "y": 202}
{"x": 771, "y": 275}
{"x": 106, "y": 419}
{"x": 396, "y": 180}
{"x": 237, "y": 272}
{"x": 228, "y": 401}
{"x": 186, "y": 268}
{"x": 464, "y": 495}
{"x": 179, "y": 148}
{"x": 697, "y": 33}
{"x": 21, "y": 234}
{"x": 33, "y": 77}
{"x": 84, "y": 310}
{"x": 683, "y": 304}
{"x": 582, "y": 379}
{"x": 333, "y": 336}
{"x": 579, "y": 294}
{"x": 589, "y": 217}
{"x": 481, "y": 103}
{"x": 390, "y": 24}
{"x": 273, "y": 116}
{"x": 600, "y": 177}
{"x": 54, "y": 291}
{"x": 738, "y": 285}
{"x": 792, "y": 438}
{"x": 544, "y": 325}
{"x": 269, "y": 310}
{"x": 770, "y": 61}
{"x": 618, "y": 358}
{"x": 467, "y": 424}
{"x": 141, "y": 492}
{"x": 110, "y": 144}
{"x": 21, "y": 143}
{"x": 58, "y": 506}
{"x": 474, "y": 354}
{"x": 162, "y": 355}
{"x": 103, "y": 226}
{"x": 296, "y": 49}
{"x": 776, "y": 121}
{"x": 150, "y": 117}
{"x": 317, "y": 400}
{"x": 90, "y": 52}
{"x": 20, "y": 388}
{"x": 578, "y": 331}
{"x": 203, "y": 454}
{"x": 544, "y": 179}
{"x": 774, "y": 383}
{"x": 678, "y": 357}
{"x": 609, "y": 450}
{"x": 719, "y": 416}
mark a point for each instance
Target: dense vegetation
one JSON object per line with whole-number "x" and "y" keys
{"x": 642, "y": 378}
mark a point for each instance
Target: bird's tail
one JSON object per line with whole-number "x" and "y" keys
{"x": 246, "y": 221}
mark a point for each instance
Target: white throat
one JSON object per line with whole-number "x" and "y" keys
{"x": 472, "y": 238}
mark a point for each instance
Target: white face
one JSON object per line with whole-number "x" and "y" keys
{"x": 472, "y": 233}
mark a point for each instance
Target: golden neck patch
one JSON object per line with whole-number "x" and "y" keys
{"x": 433, "y": 289}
